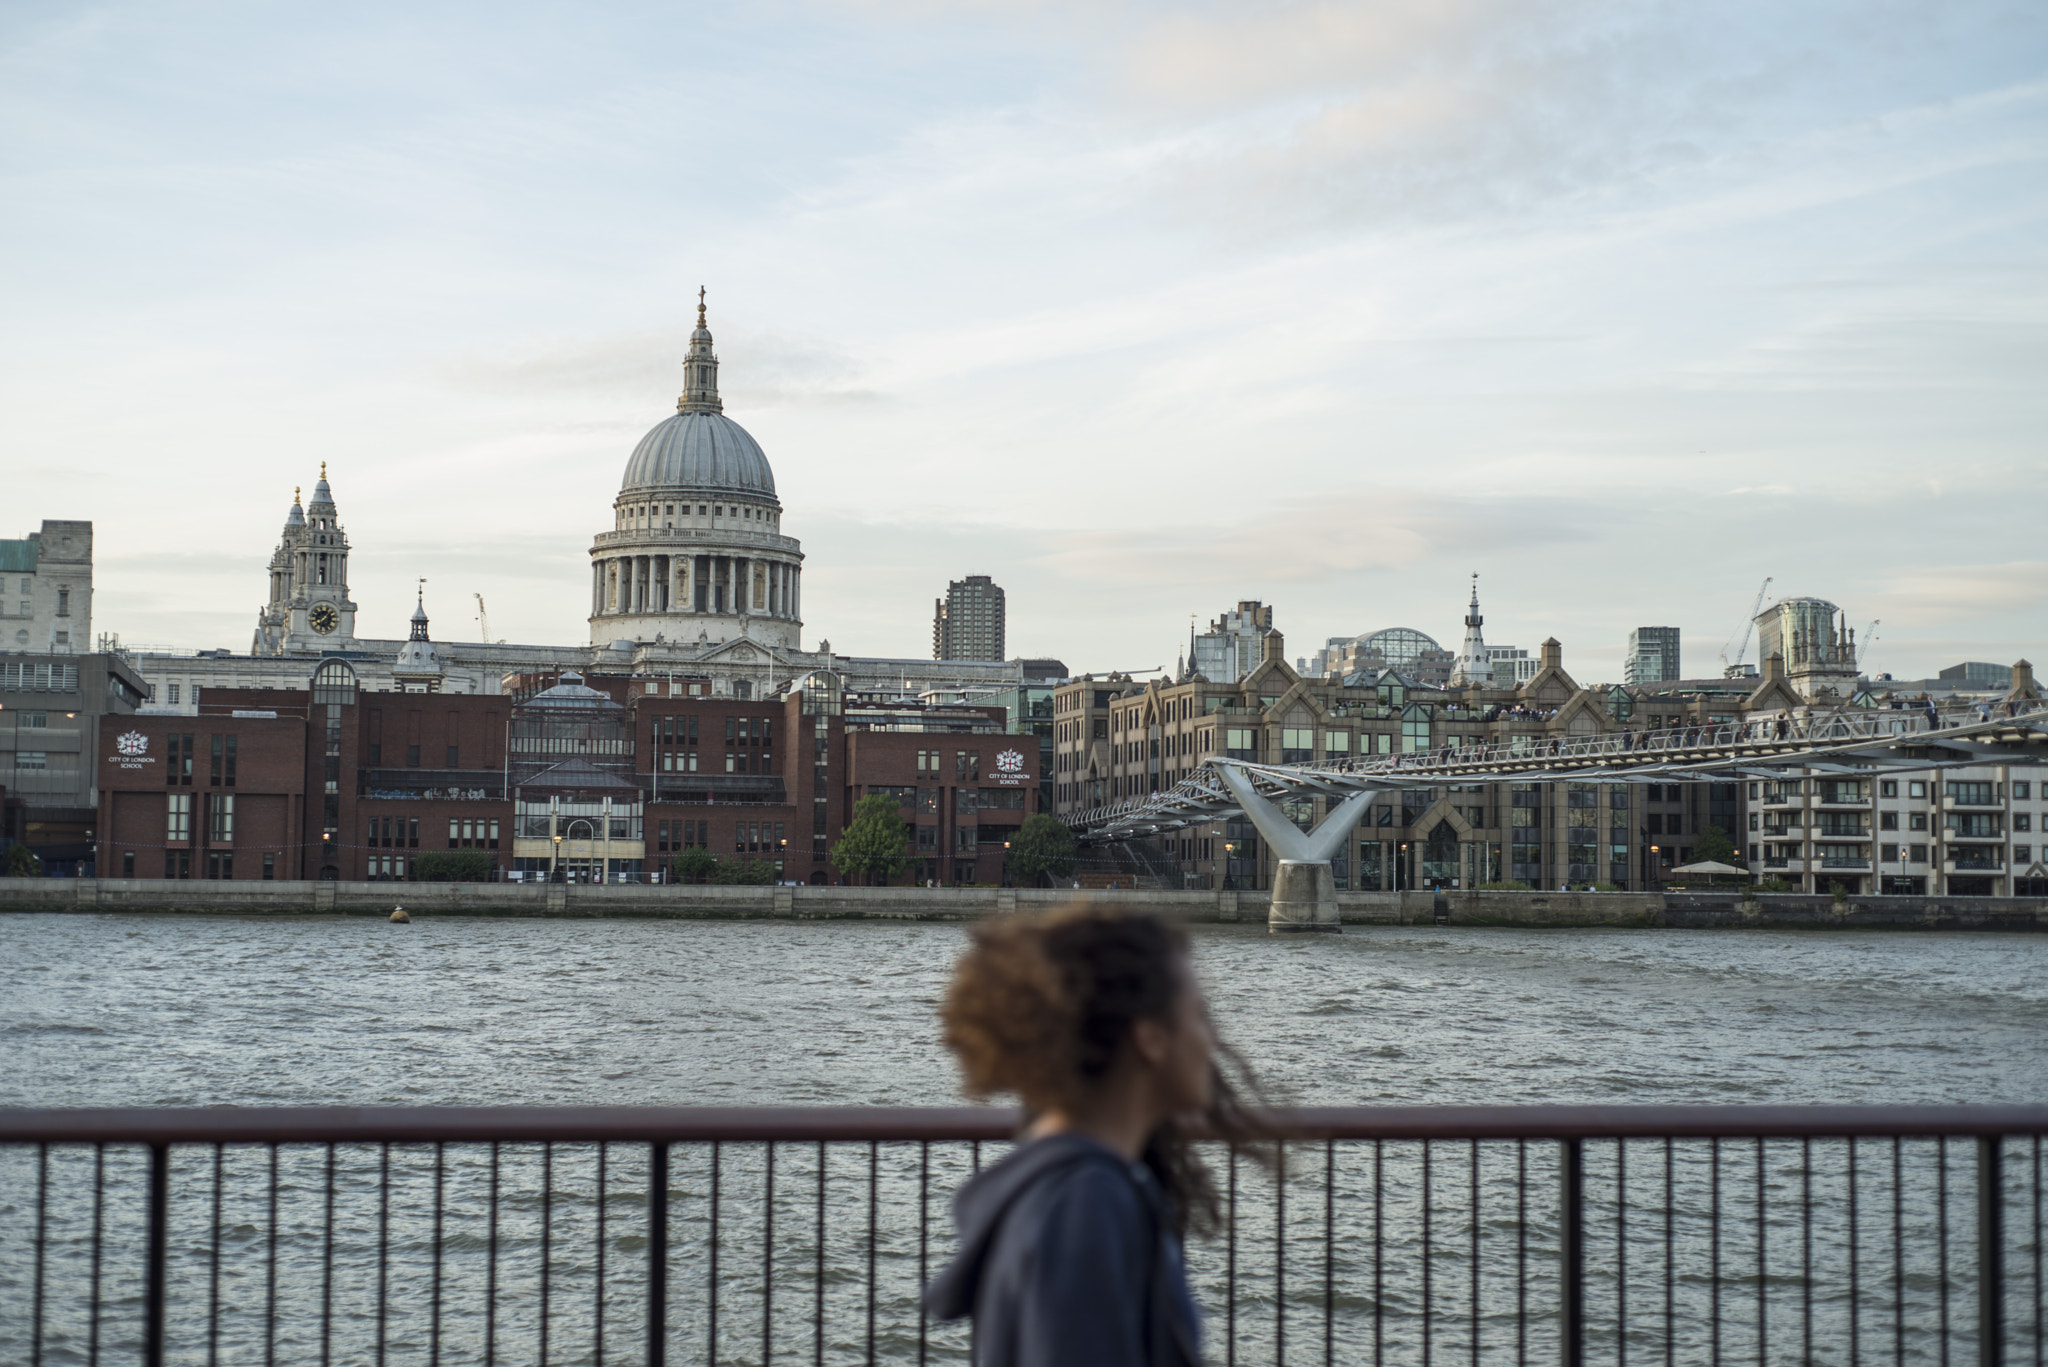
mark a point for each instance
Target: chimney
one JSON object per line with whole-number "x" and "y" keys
{"x": 1774, "y": 666}
{"x": 1276, "y": 646}
{"x": 2023, "y": 680}
{"x": 1553, "y": 654}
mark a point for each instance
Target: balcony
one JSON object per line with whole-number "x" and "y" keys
{"x": 1836, "y": 861}
{"x": 1841, "y": 830}
{"x": 1967, "y": 861}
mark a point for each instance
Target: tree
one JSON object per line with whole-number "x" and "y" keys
{"x": 1714, "y": 845}
{"x": 875, "y": 842}
{"x": 453, "y": 866}
{"x": 21, "y": 862}
{"x": 694, "y": 866}
{"x": 1042, "y": 845}
{"x": 755, "y": 871}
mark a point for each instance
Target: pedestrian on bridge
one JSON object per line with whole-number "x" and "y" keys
{"x": 1070, "y": 1247}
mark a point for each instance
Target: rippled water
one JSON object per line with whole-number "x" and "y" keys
{"x": 107, "y": 1010}
{"x": 129, "y": 1010}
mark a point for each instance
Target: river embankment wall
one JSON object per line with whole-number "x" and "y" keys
{"x": 713, "y": 902}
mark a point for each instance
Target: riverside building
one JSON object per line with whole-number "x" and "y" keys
{"x": 568, "y": 777}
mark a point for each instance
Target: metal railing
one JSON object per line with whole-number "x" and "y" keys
{"x": 653, "y": 1235}
{"x": 1752, "y": 748}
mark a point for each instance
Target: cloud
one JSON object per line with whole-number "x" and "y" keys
{"x": 1932, "y": 595}
{"x": 759, "y": 369}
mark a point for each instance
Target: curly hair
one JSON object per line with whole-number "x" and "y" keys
{"x": 1040, "y": 1007}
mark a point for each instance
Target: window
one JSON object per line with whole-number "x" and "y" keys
{"x": 221, "y": 807}
{"x": 127, "y": 863}
{"x": 1888, "y": 787}
{"x": 1919, "y": 854}
{"x": 454, "y": 757}
{"x": 1887, "y": 821}
{"x": 173, "y": 687}
{"x": 178, "y": 828}
{"x": 412, "y": 756}
{"x": 31, "y": 759}
{"x": 1888, "y": 853}
{"x": 270, "y": 866}
{"x": 1916, "y": 789}
{"x": 35, "y": 721}
{"x": 2022, "y": 853}
{"x": 1971, "y": 794}
{"x": 2020, "y": 791}
{"x": 1916, "y": 821}
{"x": 2022, "y": 821}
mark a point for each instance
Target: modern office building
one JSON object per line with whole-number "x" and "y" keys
{"x": 1653, "y": 657}
{"x": 967, "y": 624}
{"x": 57, "y": 713}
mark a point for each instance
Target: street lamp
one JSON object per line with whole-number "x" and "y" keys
{"x": 555, "y": 873}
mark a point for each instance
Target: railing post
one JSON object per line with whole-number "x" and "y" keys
{"x": 158, "y": 1252}
{"x": 657, "y": 1253}
{"x": 1571, "y": 1319}
{"x": 1990, "y": 1254}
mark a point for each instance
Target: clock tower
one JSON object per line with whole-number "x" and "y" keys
{"x": 309, "y": 609}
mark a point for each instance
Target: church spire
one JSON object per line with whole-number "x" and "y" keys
{"x": 700, "y": 369}
{"x": 1473, "y": 667}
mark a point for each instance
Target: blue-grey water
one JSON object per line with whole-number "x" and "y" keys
{"x": 118, "y": 1010}
{"x": 115, "y": 1010}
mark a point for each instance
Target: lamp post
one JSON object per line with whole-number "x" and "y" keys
{"x": 1008, "y": 881}
{"x": 1656, "y": 866}
{"x": 555, "y": 872}
{"x": 1229, "y": 853}
{"x": 781, "y": 858}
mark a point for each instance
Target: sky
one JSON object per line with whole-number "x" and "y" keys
{"x": 1142, "y": 310}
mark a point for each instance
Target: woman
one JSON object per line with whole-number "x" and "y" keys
{"x": 1070, "y": 1247}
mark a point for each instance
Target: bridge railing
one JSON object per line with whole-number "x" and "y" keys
{"x": 1389, "y": 1235}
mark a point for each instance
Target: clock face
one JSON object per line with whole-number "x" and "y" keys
{"x": 323, "y": 618}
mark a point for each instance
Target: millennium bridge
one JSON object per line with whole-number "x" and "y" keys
{"x": 1858, "y": 741}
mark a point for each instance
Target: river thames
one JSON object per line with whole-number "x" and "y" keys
{"x": 189, "y": 1011}
{"x": 186, "y": 1011}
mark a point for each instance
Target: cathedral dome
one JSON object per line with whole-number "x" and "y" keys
{"x": 699, "y": 451}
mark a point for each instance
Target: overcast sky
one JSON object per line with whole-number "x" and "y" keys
{"x": 1140, "y": 310}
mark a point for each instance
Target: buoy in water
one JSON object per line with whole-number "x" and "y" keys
{"x": 398, "y": 915}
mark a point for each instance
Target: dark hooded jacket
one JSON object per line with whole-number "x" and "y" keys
{"x": 1068, "y": 1258}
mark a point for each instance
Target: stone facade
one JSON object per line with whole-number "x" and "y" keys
{"x": 46, "y": 590}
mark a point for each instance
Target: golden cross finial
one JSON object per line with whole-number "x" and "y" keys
{"x": 323, "y": 469}
{"x": 295, "y": 493}
{"x": 700, "y": 306}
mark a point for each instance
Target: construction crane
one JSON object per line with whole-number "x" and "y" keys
{"x": 1734, "y": 671}
{"x": 483, "y": 619}
{"x": 1869, "y": 635}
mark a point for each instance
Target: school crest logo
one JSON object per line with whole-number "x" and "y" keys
{"x": 1010, "y": 762}
{"x": 132, "y": 743}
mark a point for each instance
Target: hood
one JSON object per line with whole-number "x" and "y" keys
{"x": 979, "y": 1207}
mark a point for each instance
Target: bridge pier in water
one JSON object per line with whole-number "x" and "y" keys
{"x": 1304, "y": 885}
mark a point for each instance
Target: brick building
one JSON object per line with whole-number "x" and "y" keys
{"x": 610, "y": 776}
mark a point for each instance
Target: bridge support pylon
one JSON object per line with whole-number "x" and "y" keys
{"x": 1304, "y": 887}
